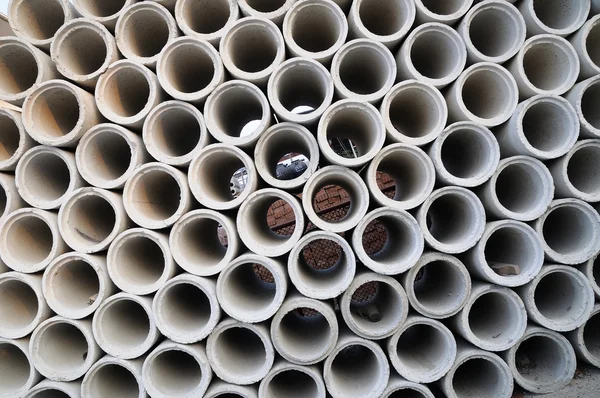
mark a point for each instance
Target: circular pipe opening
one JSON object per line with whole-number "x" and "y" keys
{"x": 125, "y": 91}
{"x": 73, "y": 286}
{"x": 19, "y": 308}
{"x": 582, "y": 169}
{"x": 559, "y": 297}
{"x": 205, "y": 16}
{"x": 592, "y": 44}
{"x": 138, "y": 261}
{"x": 591, "y": 336}
{"x": 115, "y": 316}
{"x": 112, "y": 380}
{"x": 39, "y": 19}
{"x": 495, "y": 319}
{"x": 496, "y": 31}
{"x": 569, "y": 229}
{"x": 548, "y": 64}
{"x": 175, "y": 373}
{"x": 89, "y": 221}
{"x": 81, "y": 49}
{"x": 489, "y": 92}
{"x": 479, "y": 377}
{"x": 386, "y": 18}
{"x": 18, "y": 66}
{"x": 355, "y": 370}
{"x": 44, "y": 177}
{"x": 61, "y": 348}
{"x": 144, "y": 31}
{"x": 290, "y": 382}
{"x": 590, "y": 104}
{"x": 101, "y": 8}
{"x": 55, "y": 111}
{"x": 15, "y": 369}
{"x": 548, "y": 126}
{"x": 29, "y": 240}
{"x": 242, "y": 352}
{"x": 436, "y": 52}
{"x": 540, "y": 360}
{"x": 188, "y": 66}
{"x": 11, "y": 138}
{"x": 448, "y": 7}
{"x": 315, "y": 27}
{"x": 559, "y": 15}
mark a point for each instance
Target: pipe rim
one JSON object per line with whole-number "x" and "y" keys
{"x": 13, "y": 11}
{"x": 351, "y": 182}
{"x": 577, "y": 102}
{"x": 577, "y": 339}
{"x": 282, "y": 367}
{"x": 445, "y": 18}
{"x": 105, "y": 20}
{"x": 212, "y": 201}
{"x": 220, "y": 388}
{"x": 275, "y": 102}
{"x": 397, "y": 385}
{"x": 82, "y": 24}
{"x": 589, "y": 271}
{"x": 576, "y": 192}
{"x": 191, "y": 266}
{"x": 119, "y": 351}
{"x": 48, "y": 285}
{"x": 402, "y": 261}
{"x": 358, "y": 107}
{"x": 106, "y": 109}
{"x": 388, "y": 39}
{"x": 237, "y": 29}
{"x": 286, "y": 129}
{"x": 129, "y": 9}
{"x": 22, "y": 44}
{"x": 212, "y": 37}
{"x": 586, "y": 29}
{"x": 160, "y": 318}
{"x": 584, "y": 10}
{"x": 47, "y": 218}
{"x": 275, "y": 15}
{"x": 417, "y": 199}
{"x": 292, "y": 304}
{"x": 7, "y": 194}
{"x": 353, "y": 45}
{"x": 211, "y": 109}
{"x": 406, "y": 86}
{"x": 301, "y": 6}
{"x": 10, "y": 163}
{"x": 429, "y": 375}
{"x": 33, "y": 377}
{"x": 379, "y": 331}
{"x": 40, "y": 315}
{"x": 51, "y": 386}
{"x": 129, "y": 201}
{"x": 115, "y": 274}
{"x": 347, "y": 259}
{"x": 86, "y": 388}
{"x": 136, "y": 150}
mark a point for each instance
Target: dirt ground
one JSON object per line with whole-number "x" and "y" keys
{"x": 586, "y": 384}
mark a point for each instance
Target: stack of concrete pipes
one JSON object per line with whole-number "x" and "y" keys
{"x": 133, "y": 265}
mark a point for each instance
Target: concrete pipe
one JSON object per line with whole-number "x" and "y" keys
{"x": 22, "y": 304}
{"x": 190, "y": 69}
{"x": 545, "y": 64}
{"x": 432, "y": 53}
{"x": 384, "y": 22}
{"x": 156, "y": 195}
{"x": 318, "y": 276}
{"x": 374, "y": 306}
{"x": 570, "y": 231}
{"x": 575, "y": 173}
{"x": 143, "y": 30}
{"x": 292, "y": 142}
{"x": 595, "y": 7}
{"x": 411, "y": 186}
{"x": 543, "y": 126}
{"x": 106, "y": 12}
{"x": 477, "y": 373}
{"x": 559, "y": 298}
{"x": 206, "y": 19}
{"x": 240, "y": 353}
{"x": 108, "y": 154}
{"x": 63, "y": 349}
{"x": 484, "y": 93}
{"x": 14, "y": 141}
{"x": 37, "y": 21}
{"x": 584, "y": 339}
{"x": 542, "y": 361}
{"x": 177, "y": 370}
{"x": 465, "y": 154}
{"x": 91, "y": 218}
{"x": 591, "y": 269}
{"x": 493, "y": 319}
{"x": 220, "y": 389}
{"x": 204, "y": 241}
{"x": 10, "y": 200}
{"x": 554, "y": 17}
{"x": 423, "y": 350}
{"x": 493, "y": 31}
{"x": 267, "y": 9}
{"x": 438, "y": 286}
{"x": 139, "y": 261}
{"x": 315, "y": 29}
{"x": 237, "y": 113}
{"x": 521, "y": 189}
{"x": 57, "y": 113}
{"x": 402, "y": 246}
{"x": 175, "y": 132}
{"x": 414, "y": 113}
{"x": 452, "y": 219}
{"x": 356, "y": 368}
{"x": 120, "y": 312}
{"x": 83, "y": 50}
{"x": 75, "y": 284}
{"x": 584, "y": 43}
{"x": 17, "y": 372}
{"x": 509, "y": 253}
{"x": 30, "y": 240}
{"x": 447, "y": 12}
{"x": 300, "y": 90}
{"x": 356, "y": 121}
{"x": 304, "y": 331}
{"x": 186, "y": 309}
{"x": 363, "y": 70}
{"x": 287, "y": 379}
{"x": 584, "y": 98}
{"x": 24, "y": 67}
{"x": 58, "y": 389}
{"x": 222, "y": 176}
{"x": 350, "y": 182}
{"x": 127, "y": 92}
{"x": 398, "y": 387}
{"x": 252, "y": 49}
{"x": 252, "y": 288}
{"x": 114, "y": 377}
